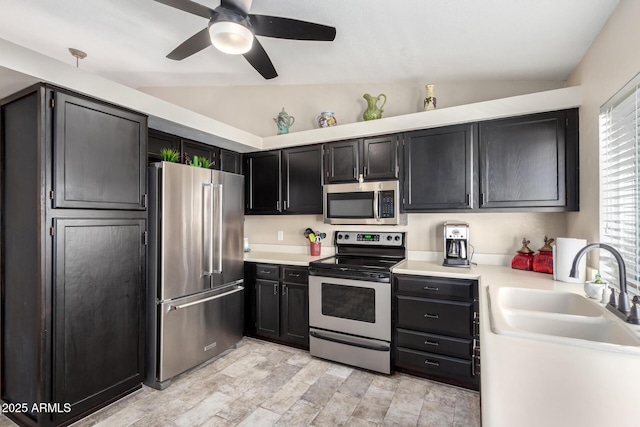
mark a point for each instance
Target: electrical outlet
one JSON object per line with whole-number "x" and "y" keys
{"x": 280, "y": 235}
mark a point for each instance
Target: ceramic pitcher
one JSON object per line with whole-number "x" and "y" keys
{"x": 284, "y": 122}
{"x": 373, "y": 111}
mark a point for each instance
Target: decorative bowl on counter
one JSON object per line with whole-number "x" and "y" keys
{"x": 594, "y": 289}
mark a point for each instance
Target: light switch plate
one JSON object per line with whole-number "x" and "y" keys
{"x": 280, "y": 235}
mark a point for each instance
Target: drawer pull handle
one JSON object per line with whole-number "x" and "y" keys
{"x": 433, "y": 343}
{"x": 294, "y": 274}
{"x": 430, "y": 288}
{"x": 265, "y": 272}
{"x": 431, "y": 316}
{"x": 429, "y": 362}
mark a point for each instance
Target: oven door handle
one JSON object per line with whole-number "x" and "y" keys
{"x": 354, "y": 344}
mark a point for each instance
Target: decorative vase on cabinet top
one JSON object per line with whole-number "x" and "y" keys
{"x": 373, "y": 111}
{"x": 429, "y": 99}
{"x": 284, "y": 122}
{"x": 326, "y": 119}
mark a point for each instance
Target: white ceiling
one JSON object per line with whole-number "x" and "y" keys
{"x": 377, "y": 40}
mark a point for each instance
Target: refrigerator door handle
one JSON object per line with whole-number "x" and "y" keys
{"x": 207, "y": 229}
{"x": 217, "y": 234}
{"x": 189, "y": 304}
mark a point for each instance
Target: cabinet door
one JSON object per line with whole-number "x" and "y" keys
{"x": 100, "y": 155}
{"x": 302, "y": 180}
{"x": 263, "y": 183}
{"x": 230, "y": 161}
{"x": 267, "y": 308}
{"x": 157, "y": 141}
{"x": 439, "y": 171}
{"x": 98, "y": 321}
{"x": 295, "y": 313}
{"x": 193, "y": 148}
{"x": 523, "y": 161}
{"x": 342, "y": 161}
{"x": 380, "y": 158}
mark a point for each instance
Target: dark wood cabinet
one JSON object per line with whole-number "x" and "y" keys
{"x": 99, "y": 156}
{"x": 436, "y": 329}
{"x": 98, "y": 300}
{"x": 374, "y": 158}
{"x": 277, "y": 308}
{"x": 302, "y": 180}
{"x": 285, "y": 181}
{"x": 263, "y": 182}
{"x": 230, "y": 161}
{"x": 439, "y": 168}
{"x": 220, "y": 159}
{"x": 529, "y": 161}
{"x": 73, "y": 258}
{"x": 157, "y": 140}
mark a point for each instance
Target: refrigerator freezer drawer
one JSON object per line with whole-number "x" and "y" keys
{"x": 196, "y": 328}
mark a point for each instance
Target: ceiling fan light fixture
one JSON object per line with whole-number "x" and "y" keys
{"x": 231, "y": 37}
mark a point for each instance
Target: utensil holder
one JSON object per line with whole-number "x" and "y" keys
{"x": 315, "y": 248}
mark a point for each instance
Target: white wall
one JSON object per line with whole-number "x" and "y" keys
{"x": 612, "y": 60}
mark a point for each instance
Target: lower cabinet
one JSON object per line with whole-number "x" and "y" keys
{"x": 436, "y": 329}
{"x": 277, "y": 303}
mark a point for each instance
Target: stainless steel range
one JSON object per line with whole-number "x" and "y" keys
{"x": 350, "y": 299}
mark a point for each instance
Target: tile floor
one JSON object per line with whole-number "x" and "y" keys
{"x": 265, "y": 384}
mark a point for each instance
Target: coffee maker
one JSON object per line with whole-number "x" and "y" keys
{"x": 456, "y": 244}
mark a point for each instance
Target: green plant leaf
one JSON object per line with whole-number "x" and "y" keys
{"x": 169, "y": 155}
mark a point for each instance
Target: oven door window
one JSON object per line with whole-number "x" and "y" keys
{"x": 350, "y": 205}
{"x": 349, "y": 302}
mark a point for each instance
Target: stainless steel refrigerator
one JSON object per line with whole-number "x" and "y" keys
{"x": 194, "y": 292}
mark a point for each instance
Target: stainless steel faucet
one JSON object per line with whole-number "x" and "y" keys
{"x": 623, "y": 303}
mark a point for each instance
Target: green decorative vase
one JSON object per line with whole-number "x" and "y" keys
{"x": 374, "y": 112}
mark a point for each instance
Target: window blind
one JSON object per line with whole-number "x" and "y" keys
{"x": 619, "y": 184}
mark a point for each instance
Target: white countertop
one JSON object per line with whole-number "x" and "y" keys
{"x": 527, "y": 382}
{"x": 281, "y": 258}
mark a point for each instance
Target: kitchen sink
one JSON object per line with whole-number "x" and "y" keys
{"x": 561, "y": 317}
{"x": 547, "y": 301}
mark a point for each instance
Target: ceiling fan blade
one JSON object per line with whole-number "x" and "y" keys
{"x": 189, "y": 7}
{"x": 193, "y": 44}
{"x": 286, "y": 28}
{"x": 259, "y": 60}
{"x": 239, "y": 5}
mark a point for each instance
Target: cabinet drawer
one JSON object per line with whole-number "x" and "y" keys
{"x": 295, "y": 275}
{"x": 267, "y": 271}
{"x": 434, "y": 364}
{"x": 433, "y": 315}
{"x": 437, "y": 287}
{"x": 457, "y": 347}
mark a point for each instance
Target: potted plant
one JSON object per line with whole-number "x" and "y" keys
{"x": 200, "y": 162}
{"x": 595, "y": 288}
{"x": 169, "y": 155}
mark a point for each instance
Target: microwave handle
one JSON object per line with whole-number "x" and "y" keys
{"x": 375, "y": 205}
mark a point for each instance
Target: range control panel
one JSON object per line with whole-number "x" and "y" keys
{"x": 373, "y": 239}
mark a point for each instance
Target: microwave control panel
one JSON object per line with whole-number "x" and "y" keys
{"x": 386, "y": 204}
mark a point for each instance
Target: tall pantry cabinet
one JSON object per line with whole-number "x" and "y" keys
{"x": 73, "y": 231}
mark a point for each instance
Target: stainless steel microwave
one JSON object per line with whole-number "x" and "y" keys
{"x": 367, "y": 203}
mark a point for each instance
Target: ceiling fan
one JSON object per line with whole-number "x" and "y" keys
{"x": 232, "y": 29}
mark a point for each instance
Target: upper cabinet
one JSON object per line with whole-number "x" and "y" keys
{"x": 220, "y": 159}
{"x": 263, "y": 182}
{"x": 284, "y": 181}
{"x": 526, "y": 163}
{"x": 439, "y": 168}
{"x": 373, "y": 158}
{"x": 529, "y": 161}
{"x": 302, "y": 180}
{"x": 99, "y": 156}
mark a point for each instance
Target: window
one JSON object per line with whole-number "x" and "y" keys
{"x": 619, "y": 183}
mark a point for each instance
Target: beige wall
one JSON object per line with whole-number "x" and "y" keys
{"x": 612, "y": 60}
{"x": 252, "y": 108}
{"x": 491, "y": 233}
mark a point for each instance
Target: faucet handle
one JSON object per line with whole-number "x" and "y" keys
{"x": 634, "y": 314}
{"x": 613, "y": 299}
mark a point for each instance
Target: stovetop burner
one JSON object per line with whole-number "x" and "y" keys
{"x": 361, "y": 252}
